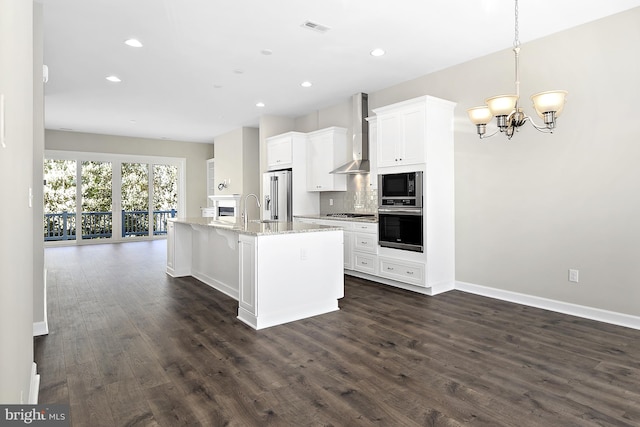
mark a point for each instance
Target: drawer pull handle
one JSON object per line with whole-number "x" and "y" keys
{"x": 390, "y": 268}
{"x": 364, "y": 263}
{"x": 409, "y": 272}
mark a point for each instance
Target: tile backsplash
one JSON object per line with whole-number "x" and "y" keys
{"x": 359, "y": 197}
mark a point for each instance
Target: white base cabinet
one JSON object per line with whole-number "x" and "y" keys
{"x": 402, "y": 271}
{"x": 275, "y": 277}
{"x": 287, "y": 278}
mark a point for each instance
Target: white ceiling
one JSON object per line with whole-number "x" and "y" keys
{"x": 185, "y": 83}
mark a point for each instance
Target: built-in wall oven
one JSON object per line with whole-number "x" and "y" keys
{"x": 400, "y": 214}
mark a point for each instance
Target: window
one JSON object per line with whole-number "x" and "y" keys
{"x": 120, "y": 197}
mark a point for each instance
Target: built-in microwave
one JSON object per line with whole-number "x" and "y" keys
{"x": 400, "y": 189}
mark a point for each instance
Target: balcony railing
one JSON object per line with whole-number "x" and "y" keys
{"x": 99, "y": 225}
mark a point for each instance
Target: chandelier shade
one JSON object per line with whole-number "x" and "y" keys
{"x": 502, "y": 105}
{"x": 480, "y": 115}
{"x": 546, "y": 102}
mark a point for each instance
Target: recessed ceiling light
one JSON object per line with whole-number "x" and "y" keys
{"x": 266, "y": 52}
{"x": 132, "y": 121}
{"x": 133, "y": 43}
{"x": 238, "y": 71}
{"x": 306, "y": 84}
{"x": 260, "y": 104}
{"x": 217, "y": 86}
{"x": 114, "y": 79}
{"x": 377, "y": 52}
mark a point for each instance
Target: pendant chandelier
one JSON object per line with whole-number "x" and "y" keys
{"x": 506, "y": 108}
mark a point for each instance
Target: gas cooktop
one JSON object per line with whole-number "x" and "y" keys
{"x": 350, "y": 215}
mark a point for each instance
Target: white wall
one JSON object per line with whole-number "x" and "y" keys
{"x": 195, "y": 154}
{"x": 238, "y": 162}
{"x": 16, "y": 217}
{"x": 39, "y": 306}
{"x": 529, "y": 209}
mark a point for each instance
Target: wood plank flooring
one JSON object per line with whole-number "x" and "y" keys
{"x": 129, "y": 346}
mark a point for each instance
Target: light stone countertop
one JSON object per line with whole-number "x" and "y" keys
{"x": 255, "y": 228}
{"x": 368, "y": 219}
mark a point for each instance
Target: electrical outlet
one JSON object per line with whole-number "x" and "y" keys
{"x": 330, "y": 202}
{"x": 573, "y": 275}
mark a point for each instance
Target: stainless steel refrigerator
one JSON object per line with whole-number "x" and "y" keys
{"x": 277, "y": 204}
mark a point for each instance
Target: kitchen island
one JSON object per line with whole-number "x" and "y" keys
{"x": 277, "y": 271}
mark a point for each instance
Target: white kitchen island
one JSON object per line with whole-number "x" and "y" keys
{"x": 278, "y": 271}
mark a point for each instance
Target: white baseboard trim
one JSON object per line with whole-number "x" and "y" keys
{"x": 40, "y": 328}
{"x": 591, "y": 313}
{"x": 34, "y": 387}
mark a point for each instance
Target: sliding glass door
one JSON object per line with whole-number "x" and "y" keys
{"x": 119, "y": 197}
{"x": 97, "y": 205}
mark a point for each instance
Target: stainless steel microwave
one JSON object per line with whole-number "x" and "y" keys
{"x": 400, "y": 189}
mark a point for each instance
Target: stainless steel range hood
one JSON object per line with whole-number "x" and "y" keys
{"x": 360, "y": 128}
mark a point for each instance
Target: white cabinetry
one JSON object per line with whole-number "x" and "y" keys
{"x": 417, "y": 135}
{"x": 402, "y": 270}
{"x": 326, "y": 150}
{"x": 280, "y": 150}
{"x": 401, "y": 134}
{"x": 365, "y": 247}
{"x": 289, "y": 151}
{"x": 360, "y": 243}
{"x": 247, "y": 275}
{"x": 211, "y": 182}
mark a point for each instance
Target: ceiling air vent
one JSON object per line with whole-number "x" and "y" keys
{"x": 315, "y": 27}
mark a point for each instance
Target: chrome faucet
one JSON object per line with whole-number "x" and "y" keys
{"x": 245, "y": 217}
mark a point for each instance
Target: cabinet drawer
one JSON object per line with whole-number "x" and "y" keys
{"x": 365, "y": 243}
{"x": 365, "y": 227}
{"x": 364, "y": 262}
{"x": 402, "y": 271}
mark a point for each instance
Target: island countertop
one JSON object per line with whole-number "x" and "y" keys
{"x": 255, "y": 228}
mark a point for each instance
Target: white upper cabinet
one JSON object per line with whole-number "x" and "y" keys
{"x": 401, "y": 134}
{"x": 280, "y": 151}
{"x": 326, "y": 150}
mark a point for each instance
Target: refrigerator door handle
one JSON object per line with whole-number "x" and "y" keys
{"x": 274, "y": 197}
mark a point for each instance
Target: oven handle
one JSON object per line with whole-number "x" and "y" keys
{"x": 401, "y": 211}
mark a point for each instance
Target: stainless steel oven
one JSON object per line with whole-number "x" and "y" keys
{"x": 400, "y": 215}
{"x": 400, "y": 228}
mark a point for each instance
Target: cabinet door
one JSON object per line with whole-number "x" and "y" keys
{"x": 389, "y": 133}
{"x": 348, "y": 250}
{"x": 413, "y": 136}
{"x": 320, "y": 163}
{"x": 171, "y": 245}
{"x": 279, "y": 153}
{"x": 247, "y": 275}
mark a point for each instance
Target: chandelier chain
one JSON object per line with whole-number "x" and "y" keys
{"x": 516, "y": 40}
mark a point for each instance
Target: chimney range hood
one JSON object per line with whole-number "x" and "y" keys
{"x": 360, "y": 129}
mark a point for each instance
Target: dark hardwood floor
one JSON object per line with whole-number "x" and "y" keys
{"x": 128, "y": 345}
